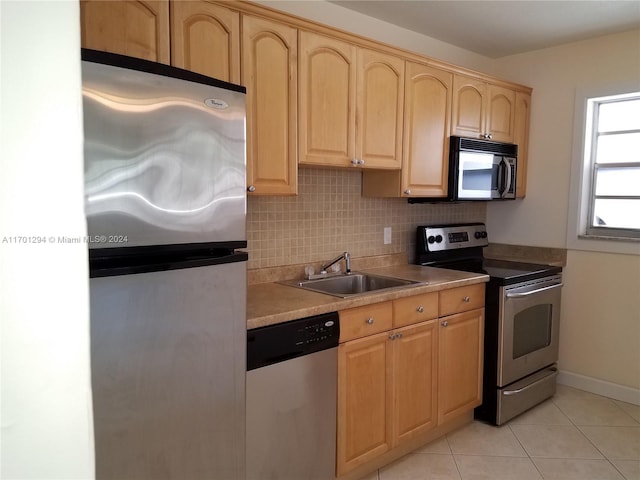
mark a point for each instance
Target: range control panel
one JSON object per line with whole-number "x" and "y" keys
{"x": 450, "y": 237}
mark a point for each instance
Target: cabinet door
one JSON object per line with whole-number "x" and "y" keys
{"x": 269, "y": 71}
{"x": 521, "y": 138}
{"x": 364, "y": 399}
{"x": 469, "y": 109}
{"x": 500, "y": 113}
{"x": 426, "y": 131}
{"x": 460, "y": 341}
{"x": 205, "y": 38}
{"x": 415, "y": 376}
{"x": 134, "y": 28}
{"x": 327, "y": 100}
{"x": 379, "y": 109}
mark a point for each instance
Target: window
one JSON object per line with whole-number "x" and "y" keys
{"x": 612, "y": 154}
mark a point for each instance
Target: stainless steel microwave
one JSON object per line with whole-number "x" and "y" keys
{"x": 482, "y": 169}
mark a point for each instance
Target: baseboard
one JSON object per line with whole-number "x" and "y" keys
{"x": 600, "y": 387}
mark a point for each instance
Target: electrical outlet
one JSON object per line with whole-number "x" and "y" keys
{"x": 387, "y": 235}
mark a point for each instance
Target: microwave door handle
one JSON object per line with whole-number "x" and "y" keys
{"x": 507, "y": 183}
{"x": 501, "y": 190}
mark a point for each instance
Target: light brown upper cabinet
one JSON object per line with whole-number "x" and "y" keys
{"x": 351, "y": 104}
{"x": 379, "y": 109}
{"x": 205, "y": 38}
{"x": 427, "y": 120}
{"x": 482, "y": 110}
{"x": 521, "y": 138}
{"x": 134, "y": 28}
{"x": 327, "y": 69}
{"x": 269, "y": 71}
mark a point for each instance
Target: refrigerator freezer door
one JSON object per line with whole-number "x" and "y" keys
{"x": 168, "y": 355}
{"x": 164, "y": 158}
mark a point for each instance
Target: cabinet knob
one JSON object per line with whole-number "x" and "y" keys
{"x": 354, "y": 161}
{"x": 420, "y": 309}
{"x": 370, "y": 320}
{"x": 407, "y": 192}
{"x": 398, "y": 335}
{"x": 392, "y": 336}
{"x": 445, "y": 324}
{"x": 251, "y": 188}
{"x": 466, "y": 299}
{"x": 360, "y": 162}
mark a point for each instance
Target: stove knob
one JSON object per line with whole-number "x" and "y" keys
{"x": 478, "y": 235}
{"x": 484, "y": 234}
{"x": 431, "y": 239}
{"x": 438, "y": 238}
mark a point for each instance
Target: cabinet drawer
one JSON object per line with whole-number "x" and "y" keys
{"x": 461, "y": 299}
{"x": 410, "y": 310}
{"x": 363, "y": 321}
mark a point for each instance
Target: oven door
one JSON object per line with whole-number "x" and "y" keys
{"x": 529, "y": 328}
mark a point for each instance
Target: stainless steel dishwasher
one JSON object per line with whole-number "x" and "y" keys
{"x": 292, "y": 373}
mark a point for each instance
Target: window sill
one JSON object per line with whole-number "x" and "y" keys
{"x": 604, "y": 244}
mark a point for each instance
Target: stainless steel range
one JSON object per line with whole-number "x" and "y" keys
{"x": 522, "y": 317}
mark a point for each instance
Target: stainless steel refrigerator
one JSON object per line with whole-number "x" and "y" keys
{"x": 165, "y": 205}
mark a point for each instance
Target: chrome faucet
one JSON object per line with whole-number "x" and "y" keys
{"x": 347, "y": 263}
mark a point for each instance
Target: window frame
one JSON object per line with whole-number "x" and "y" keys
{"x": 590, "y": 156}
{"x": 581, "y": 177}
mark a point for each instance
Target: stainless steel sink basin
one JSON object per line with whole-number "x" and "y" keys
{"x": 348, "y": 285}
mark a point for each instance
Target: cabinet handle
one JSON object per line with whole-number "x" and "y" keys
{"x": 445, "y": 324}
{"x": 392, "y": 336}
{"x": 251, "y": 188}
{"x": 466, "y": 299}
{"x": 370, "y": 320}
{"x": 420, "y": 309}
{"x": 407, "y": 192}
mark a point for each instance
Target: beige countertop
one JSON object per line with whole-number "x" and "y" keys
{"x": 271, "y": 303}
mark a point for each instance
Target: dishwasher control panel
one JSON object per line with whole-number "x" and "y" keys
{"x": 285, "y": 341}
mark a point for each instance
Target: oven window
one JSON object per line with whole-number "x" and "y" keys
{"x": 532, "y": 329}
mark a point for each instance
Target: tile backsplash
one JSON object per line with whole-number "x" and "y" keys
{"x": 329, "y": 216}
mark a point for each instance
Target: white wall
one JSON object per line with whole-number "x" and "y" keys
{"x": 600, "y": 323}
{"x": 555, "y": 74}
{"x": 47, "y": 430}
{"x": 344, "y": 19}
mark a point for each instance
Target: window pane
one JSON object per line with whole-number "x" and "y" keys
{"x": 623, "y": 115}
{"x": 623, "y": 147}
{"x": 617, "y": 213}
{"x": 618, "y": 181}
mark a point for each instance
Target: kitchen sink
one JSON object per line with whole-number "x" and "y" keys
{"x": 348, "y": 285}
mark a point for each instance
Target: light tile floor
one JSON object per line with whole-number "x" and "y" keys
{"x": 575, "y": 435}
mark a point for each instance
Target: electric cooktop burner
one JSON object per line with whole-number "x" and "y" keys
{"x": 459, "y": 247}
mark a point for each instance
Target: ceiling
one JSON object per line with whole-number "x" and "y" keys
{"x": 499, "y": 28}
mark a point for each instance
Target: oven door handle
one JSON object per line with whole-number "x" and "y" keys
{"x": 553, "y": 371}
{"x": 532, "y": 292}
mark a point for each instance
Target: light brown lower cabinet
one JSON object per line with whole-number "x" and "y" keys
{"x": 364, "y": 396}
{"x": 460, "y": 345}
{"x": 395, "y": 385}
{"x": 383, "y": 400}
